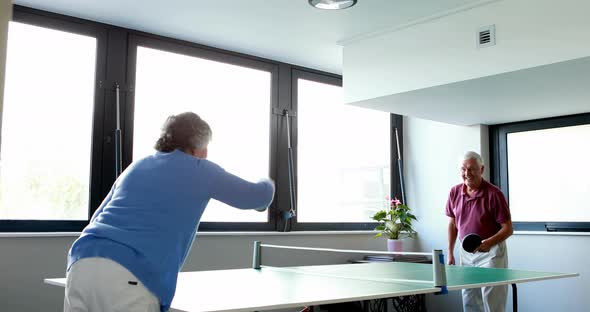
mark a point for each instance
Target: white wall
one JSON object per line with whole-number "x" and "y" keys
{"x": 431, "y": 152}
{"x": 441, "y": 51}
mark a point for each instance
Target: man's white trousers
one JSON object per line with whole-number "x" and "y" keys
{"x": 100, "y": 284}
{"x": 488, "y": 299}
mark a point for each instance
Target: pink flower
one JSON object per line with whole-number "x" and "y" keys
{"x": 396, "y": 201}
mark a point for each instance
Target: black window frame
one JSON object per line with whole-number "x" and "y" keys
{"x": 137, "y": 39}
{"x": 76, "y": 26}
{"x": 395, "y": 190}
{"x": 499, "y": 165}
{"x": 116, "y": 64}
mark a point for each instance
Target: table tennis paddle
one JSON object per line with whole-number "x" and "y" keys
{"x": 471, "y": 242}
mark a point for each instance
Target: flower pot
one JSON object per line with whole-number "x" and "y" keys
{"x": 394, "y": 244}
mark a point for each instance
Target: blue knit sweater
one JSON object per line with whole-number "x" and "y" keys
{"x": 149, "y": 219}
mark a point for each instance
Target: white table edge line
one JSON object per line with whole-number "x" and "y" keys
{"x": 514, "y": 281}
{"x": 370, "y": 279}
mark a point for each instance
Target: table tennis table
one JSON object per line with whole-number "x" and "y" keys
{"x": 268, "y": 288}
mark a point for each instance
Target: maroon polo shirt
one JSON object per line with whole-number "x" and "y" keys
{"x": 481, "y": 213}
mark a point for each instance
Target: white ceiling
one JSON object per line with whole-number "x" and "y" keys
{"x": 557, "y": 89}
{"x": 289, "y": 31}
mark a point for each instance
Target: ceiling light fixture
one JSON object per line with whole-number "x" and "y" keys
{"x": 332, "y": 4}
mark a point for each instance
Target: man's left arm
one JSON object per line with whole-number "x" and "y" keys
{"x": 504, "y": 232}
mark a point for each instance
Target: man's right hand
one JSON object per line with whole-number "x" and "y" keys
{"x": 451, "y": 259}
{"x": 452, "y": 232}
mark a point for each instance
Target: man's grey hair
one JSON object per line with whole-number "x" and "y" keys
{"x": 473, "y": 155}
{"x": 184, "y": 131}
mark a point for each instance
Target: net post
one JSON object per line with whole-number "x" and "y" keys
{"x": 438, "y": 267}
{"x": 256, "y": 255}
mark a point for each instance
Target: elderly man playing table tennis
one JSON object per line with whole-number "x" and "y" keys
{"x": 129, "y": 256}
{"x": 478, "y": 207}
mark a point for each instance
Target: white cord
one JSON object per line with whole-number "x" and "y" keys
{"x": 350, "y": 250}
{"x": 374, "y": 279}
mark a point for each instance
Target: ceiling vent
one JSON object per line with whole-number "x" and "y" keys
{"x": 486, "y": 36}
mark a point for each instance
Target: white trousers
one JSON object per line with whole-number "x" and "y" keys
{"x": 100, "y": 284}
{"x": 488, "y": 299}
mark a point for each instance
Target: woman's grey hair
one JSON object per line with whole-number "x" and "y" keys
{"x": 473, "y": 155}
{"x": 184, "y": 131}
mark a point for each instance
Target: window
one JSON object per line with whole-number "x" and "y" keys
{"x": 545, "y": 157}
{"x": 47, "y": 123}
{"x": 344, "y": 169}
{"x": 170, "y": 83}
{"x": 343, "y": 157}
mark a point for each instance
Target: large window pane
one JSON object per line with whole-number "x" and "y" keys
{"x": 548, "y": 174}
{"x": 234, "y": 100}
{"x": 343, "y": 156}
{"x": 47, "y": 124}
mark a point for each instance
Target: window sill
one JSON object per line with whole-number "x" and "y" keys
{"x": 552, "y": 233}
{"x": 294, "y": 233}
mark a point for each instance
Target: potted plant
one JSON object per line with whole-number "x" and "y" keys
{"x": 395, "y": 223}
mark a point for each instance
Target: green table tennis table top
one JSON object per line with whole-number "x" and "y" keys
{"x": 458, "y": 277}
{"x": 276, "y": 288}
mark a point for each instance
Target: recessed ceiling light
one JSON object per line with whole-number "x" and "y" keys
{"x": 332, "y": 4}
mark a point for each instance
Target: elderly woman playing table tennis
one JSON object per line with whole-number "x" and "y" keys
{"x": 129, "y": 255}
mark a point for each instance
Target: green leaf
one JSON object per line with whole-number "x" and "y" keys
{"x": 395, "y": 221}
{"x": 380, "y": 215}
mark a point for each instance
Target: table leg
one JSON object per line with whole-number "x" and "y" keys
{"x": 514, "y": 299}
